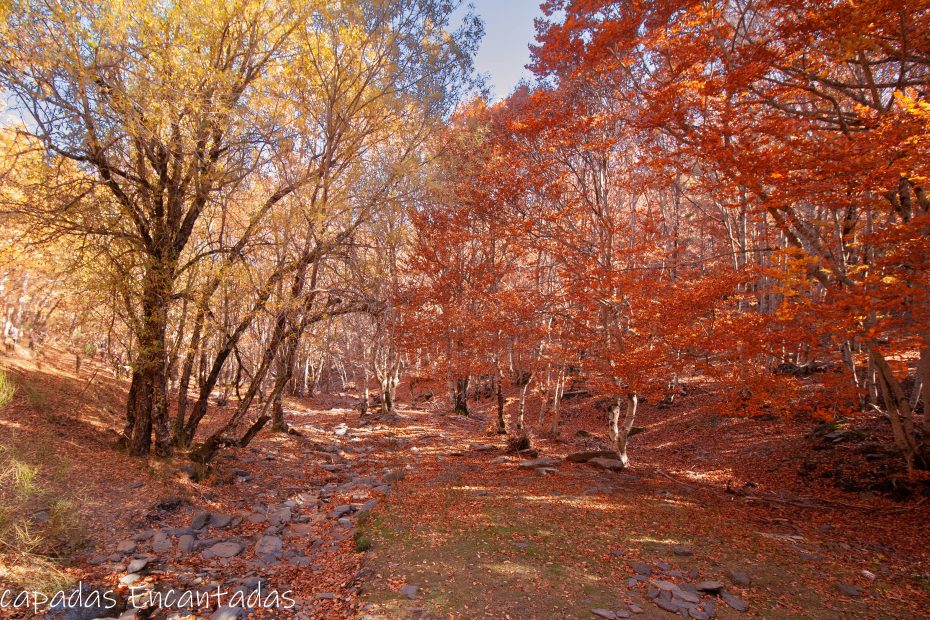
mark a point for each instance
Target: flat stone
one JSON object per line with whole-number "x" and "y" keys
{"x": 734, "y": 601}
{"x": 186, "y": 543}
{"x": 277, "y": 517}
{"x": 200, "y": 520}
{"x": 682, "y": 551}
{"x": 668, "y": 605}
{"x": 604, "y": 613}
{"x": 622, "y": 613}
{"x": 661, "y": 584}
{"x": 542, "y": 461}
{"x": 410, "y": 591}
{"x": 611, "y": 464}
{"x": 684, "y": 595}
{"x": 228, "y": 613}
{"x": 394, "y": 476}
{"x": 268, "y": 545}
{"x": 226, "y": 549}
{"x": 641, "y": 568}
{"x": 636, "y": 609}
{"x": 739, "y": 577}
{"x": 131, "y": 578}
{"x": 710, "y": 586}
{"x": 342, "y": 509}
{"x": 484, "y": 447}
{"x": 137, "y": 565}
{"x": 126, "y": 546}
{"x": 220, "y": 520}
{"x": 848, "y": 589}
{"x": 546, "y": 471}
{"x": 161, "y": 543}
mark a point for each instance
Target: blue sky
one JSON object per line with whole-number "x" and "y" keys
{"x": 508, "y": 26}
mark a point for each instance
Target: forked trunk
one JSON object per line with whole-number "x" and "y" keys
{"x": 620, "y": 430}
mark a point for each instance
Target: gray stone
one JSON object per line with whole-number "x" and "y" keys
{"x": 220, "y": 520}
{"x": 684, "y": 595}
{"x": 143, "y": 536}
{"x": 228, "y": 613}
{"x": 226, "y": 549}
{"x": 542, "y": 461}
{"x": 734, "y": 601}
{"x": 604, "y": 463}
{"x": 268, "y": 545}
{"x": 668, "y": 605}
{"x": 636, "y": 609}
{"x": 161, "y": 543}
{"x": 186, "y": 543}
{"x": 137, "y": 565}
{"x": 126, "y": 546}
{"x": 848, "y": 589}
{"x": 641, "y": 568}
{"x": 604, "y": 613}
{"x": 410, "y": 591}
{"x": 739, "y": 577}
{"x": 682, "y": 551}
{"x": 279, "y": 516}
{"x": 394, "y": 476}
{"x": 128, "y": 580}
{"x": 710, "y": 586}
{"x": 661, "y": 584}
{"x": 545, "y": 471}
{"x": 200, "y": 520}
{"x": 622, "y": 613}
{"x": 342, "y": 509}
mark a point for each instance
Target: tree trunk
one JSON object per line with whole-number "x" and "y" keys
{"x": 620, "y": 431}
{"x": 521, "y": 410}
{"x": 556, "y": 402}
{"x": 461, "y": 396}
{"x": 501, "y": 422}
{"x": 147, "y": 405}
{"x": 185, "y": 381}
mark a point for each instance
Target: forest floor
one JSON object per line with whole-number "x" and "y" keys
{"x": 426, "y": 516}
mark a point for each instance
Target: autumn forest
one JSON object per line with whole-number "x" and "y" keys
{"x": 301, "y": 321}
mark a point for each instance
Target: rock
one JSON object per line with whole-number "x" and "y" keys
{"x": 641, "y": 568}
{"x": 636, "y": 609}
{"x": 546, "y": 471}
{"x": 137, "y": 565}
{"x": 668, "y": 605}
{"x": 268, "y": 545}
{"x": 143, "y": 536}
{"x": 279, "y": 516}
{"x": 226, "y": 549}
{"x": 200, "y": 520}
{"x": 611, "y": 464}
{"x": 394, "y": 476}
{"x": 711, "y": 587}
{"x": 484, "y": 447}
{"x": 228, "y": 613}
{"x": 811, "y": 557}
{"x": 848, "y": 589}
{"x": 681, "y": 550}
{"x": 734, "y": 601}
{"x": 220, "y": 520}
{"x": 604, "y": 613}
{"x": 369, "y": 505}
{"x": 739, "y": 577}
{"x": 666, "y": 586}
{"x": 689, "y": 597}
{"x": 340, "y": 510}
{"x": 538, "y": 462}
{"x": 410, "y": 591}
{"x": 186, "y": 543}
{"x": 161, "y": 543}
{"x": 255, "y": 517}
{"x": 135, "y": 485}
{"x": 128, "y": 580}
{"x": 126, "y": 546}
{"x": 345, "y": 521}
{"x": 584, "y": 457}
{"x": 622, "y": 613}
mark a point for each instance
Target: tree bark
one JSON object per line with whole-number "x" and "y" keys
{"x": 620, "y": 431}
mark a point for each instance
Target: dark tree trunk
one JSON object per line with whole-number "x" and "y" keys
{"x": 147, "y": 405}
{"x": 461, "y": 396}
